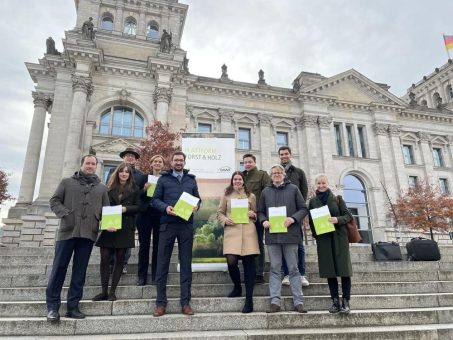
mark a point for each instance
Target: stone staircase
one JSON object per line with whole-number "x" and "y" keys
{"x": 390, "y": 300}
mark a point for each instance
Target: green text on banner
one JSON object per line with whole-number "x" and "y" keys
{"x": 277, "y": 217}
{"x": 320, "y": 217}
{"x": 111, "y": 217}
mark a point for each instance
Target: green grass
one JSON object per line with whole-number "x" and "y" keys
{"x": 208, "y": 260}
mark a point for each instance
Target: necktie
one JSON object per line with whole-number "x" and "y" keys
{"x": 179, "y": 178}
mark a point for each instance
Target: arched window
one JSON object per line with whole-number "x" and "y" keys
{"x": 122, "y": 121}
{"x": 130, "y": 26}
{"x": 152, "y": 30}
{"x": 424, "y": 103}
{"x": 450, "y": 91}
{"x": 107, "y": 22}
{"x": 355, "y": 196}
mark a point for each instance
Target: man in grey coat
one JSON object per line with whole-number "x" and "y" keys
{"x": 78, "y": 201}
{"x": 281, "y": 193}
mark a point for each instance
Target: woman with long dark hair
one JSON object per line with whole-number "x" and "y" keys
{"x": 122, "y": 191}
{"x": 240, "y": 239}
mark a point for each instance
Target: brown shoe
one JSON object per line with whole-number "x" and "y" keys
{"x": 187, "y": 310}
{"x": 300, "y": 308}
{"x": 274, "y": 308}
{"x": 159, "y": 311}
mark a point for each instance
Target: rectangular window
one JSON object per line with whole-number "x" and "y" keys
{"x": 241, "y": 166}
{"x": 244, "y": 139}
{"x": 408, "y": 154}
{"x": 350, "y": 140}
{"x": 443, "y": 186}
{"x": 361, "y": 132}
{"x": 438, "y": 158}
{"x": 282, "y": 139}
{"x": 105, "y": 173}
{"x": 204, "y": 128}
{"x": 338, "y": 139}
{"x": 413, "y": 180}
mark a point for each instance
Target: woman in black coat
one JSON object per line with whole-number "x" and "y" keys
{"x": 122, "y": 191}
{"x": 334, "y": 258}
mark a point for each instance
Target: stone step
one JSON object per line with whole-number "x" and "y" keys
{"x": 130, "y": 324}
{"x": 421, "y": 332}
{"x": 311, "y": 267}
{"x": 24, "y": 280}
{"x": 141, "y": 306}
{"x": 222, "y": 290}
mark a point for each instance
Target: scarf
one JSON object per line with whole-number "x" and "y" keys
{"x": 86, "y": 179}
{"x": 323, "y": 196}
{"x": 287, "y": 166}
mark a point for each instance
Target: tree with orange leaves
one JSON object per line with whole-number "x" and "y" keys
{"x": 160, "y": 140}
{"x": 424, "y": 207}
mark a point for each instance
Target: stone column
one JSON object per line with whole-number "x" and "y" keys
{"x": 162, "y": 98}
{"x": 307, "y": 125}
{"x": 429, "y": 99}
{"x": 427, "y": 156}
{"x": 118, "y": 22}
{"x": 88, "y": 138}
{"x": 326, "y": 144}
{"x": 399, "y": 172}
{"x": 82, "y": 90}
{"x": 442, "y": 92}
{"x": 266, "y": 141}
{"x": 141, "y": 25}
{"x": 226, "y": 117}
{"x": 42, "y": 102}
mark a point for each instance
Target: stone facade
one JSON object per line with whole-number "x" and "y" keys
{"x": 341, "y": 125}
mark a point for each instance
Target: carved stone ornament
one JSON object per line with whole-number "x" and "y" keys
{"x": 123, "y": 94}
{"x": 324, "y": 122}
{"x": 42, "y": 99}
{"x": 307, "y": 121}
{"x": 265, "y": 119}
{"x": 80, "y": 83}
{"x": 394, "y": 130}
{"x": 189, "y": 111}
{"x": 381, "y": 129}
{"x": 162, "y": 94}
{"x": 423, "y": 136}
{"x": 450, "y": 139}
{"x": 226, "y": 115}
{"x": 261, "y": 80}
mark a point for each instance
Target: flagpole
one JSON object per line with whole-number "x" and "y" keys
{"x": 446, "y": 49}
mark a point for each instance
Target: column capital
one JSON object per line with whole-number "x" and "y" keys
{"x": 226, "y": 115}
{"x": 394, "y": 130}
{"x": 83, "y": 84}
{"x": 324, "y": 122}
{"x": 423, "y": 136}
{"x": 265, "y": 119}
{"x": 162, "y": 94}
{"x": 307, "y": 121}
{"x": 42, "y": 99}
{"x": 381, "y": 129}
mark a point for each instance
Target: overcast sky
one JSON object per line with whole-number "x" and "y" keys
{"x": 392, "y": 42}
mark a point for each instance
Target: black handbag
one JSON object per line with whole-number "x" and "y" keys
{"x": 386, "y": 251}
{"x": 422, "y": 249}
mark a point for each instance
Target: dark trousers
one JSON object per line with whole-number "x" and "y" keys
{"x": 168, "y": 233}
{"x": 81, "y": 248}
{"x": 300, "y": 261}
{"x": 259, "y": 260}
{"x": 144, "y": 239}
{"x": 126, "y": 257}
{"x": 345, "y": 285}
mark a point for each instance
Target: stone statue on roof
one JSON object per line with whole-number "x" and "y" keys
{"x": 88, "y": 29}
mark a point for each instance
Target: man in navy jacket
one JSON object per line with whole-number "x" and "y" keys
{"x": 169, "y": 189}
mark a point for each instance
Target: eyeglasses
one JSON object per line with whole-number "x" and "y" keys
{"x": 276, "y": 173}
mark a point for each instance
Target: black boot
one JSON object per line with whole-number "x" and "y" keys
{"x": 335, "y": 306}
{"x": 236, "y": 292}
{"x": 248, "y": 306}
{"x": 345, "y": 309}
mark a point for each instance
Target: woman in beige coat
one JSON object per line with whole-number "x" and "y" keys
{"x": 240, "y": 240}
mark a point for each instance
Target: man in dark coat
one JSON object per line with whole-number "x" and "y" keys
{"x": 169, "y": 189}
{"x": 130, "y": 156}
{"x": 78, "y": 201}
{"x": 256, "y": 180}
{"x": 281, "y": 193}
{"x": 297, "y": 177}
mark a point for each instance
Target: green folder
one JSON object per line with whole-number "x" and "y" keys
{"x": 240, "y": 210}
{"x": 111, "y": 217}
{"x": 277, "y": 217}
{"x": 184, "y": 207}
{"x": 320, "y": 218}
{"x": 153, "y": 180}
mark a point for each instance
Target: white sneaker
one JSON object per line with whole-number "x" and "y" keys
{"x": 304, "y": 281}
{"x": 285, "y": 280}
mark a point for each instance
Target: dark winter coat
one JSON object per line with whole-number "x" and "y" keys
{"x": 125, "y": 237}
{"x": 256, "y": 180}
{"x": 79, "y": 206}
{"x": 285, "y": 195}
{"x": 297, "y": 177}
{"x": 333, "y": 248}
{"x": 169, "y": 190}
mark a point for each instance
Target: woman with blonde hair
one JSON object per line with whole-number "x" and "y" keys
{"x": 240, "y": 240}
{"x": 148, "y": 223}
{"x": 334, "y": 259}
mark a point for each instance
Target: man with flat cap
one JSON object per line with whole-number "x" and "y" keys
{"x": 130, "y": 156}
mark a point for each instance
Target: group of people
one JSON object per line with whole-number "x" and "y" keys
{"x": 78, "y": 202}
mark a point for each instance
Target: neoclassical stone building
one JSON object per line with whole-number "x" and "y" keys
{"x": 101, "y": 92}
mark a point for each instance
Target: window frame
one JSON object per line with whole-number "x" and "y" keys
{"x": 446, "y": 189}
{"x": 281, "y": 133}
{"x": 107, "y": 15}
{"x": 249, "y": 132}
{"x": 412, "y": 180}
{"x": 351, "y": 138}
{"x": 128, "y": 20}
{"x": 133, "y": 128}
{"x": 361, "y": 132}
{"x": 205, "y": 125}
{"x": 338, "y": 131}
{"x": 410, "y": 147}
{"x": 438, "y": 158}
{"x": 148, "y": 30}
